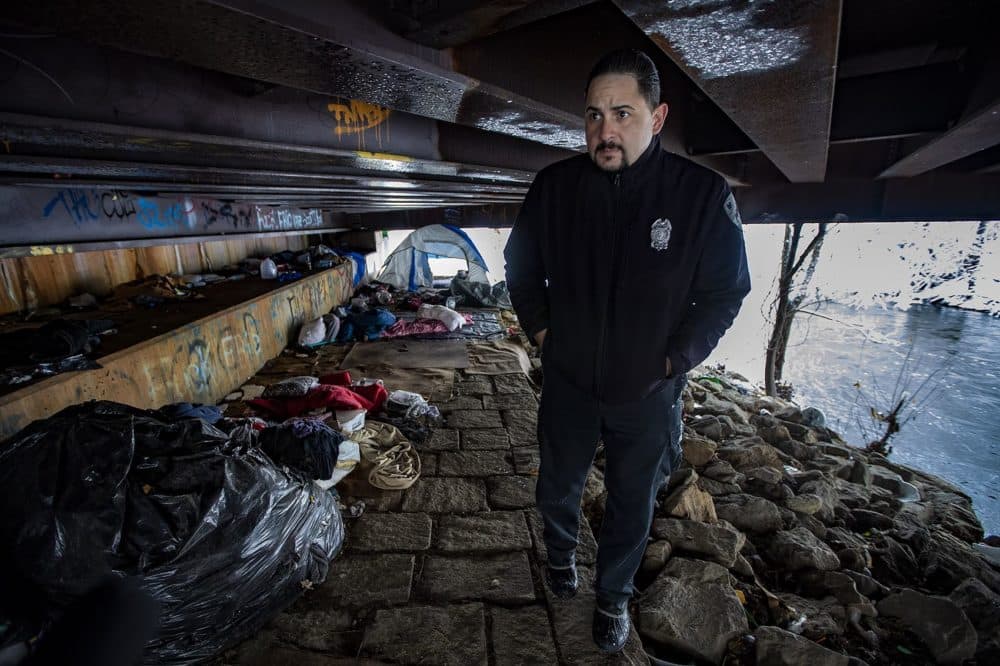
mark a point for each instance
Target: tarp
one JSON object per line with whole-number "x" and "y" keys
{"x": 217, "y": 533}
{"x": 408, "y": 267}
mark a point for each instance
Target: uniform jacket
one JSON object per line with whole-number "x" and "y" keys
{"x": 627, "y": 269}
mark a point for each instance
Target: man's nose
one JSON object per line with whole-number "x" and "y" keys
{"x": 607, "y": 130}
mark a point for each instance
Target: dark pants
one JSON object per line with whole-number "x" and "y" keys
{"x": 641, "y": 444}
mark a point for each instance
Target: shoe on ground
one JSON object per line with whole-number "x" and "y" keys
{"x": 610, "y": 631}
{"x": 562, "y": 582}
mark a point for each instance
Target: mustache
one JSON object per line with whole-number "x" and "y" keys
{"x": 608, "y": 144}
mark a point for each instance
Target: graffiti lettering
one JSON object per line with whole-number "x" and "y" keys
{"x": 235, "y": 216}
{"x": 74, "y": 203}
{"x": 117, "y": 204}
{"x": 356, "y": 117}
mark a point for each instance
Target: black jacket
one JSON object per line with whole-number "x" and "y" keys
{"x": 590, "y": 260}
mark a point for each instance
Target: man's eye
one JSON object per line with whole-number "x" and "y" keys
{"x": 595, "y": 116}
{"x": 623, "y": 114}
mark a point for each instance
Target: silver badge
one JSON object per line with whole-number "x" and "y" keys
{"x": 659, "y": 234}
{"x": 732, "y": 211}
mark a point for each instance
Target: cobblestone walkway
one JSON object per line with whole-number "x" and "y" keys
{"x": 447, "y": 572}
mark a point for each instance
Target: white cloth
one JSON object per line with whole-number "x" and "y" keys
{"x": 449, "y": 317}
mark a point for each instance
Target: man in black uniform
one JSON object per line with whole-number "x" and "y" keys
{"x": 626, "y": 265}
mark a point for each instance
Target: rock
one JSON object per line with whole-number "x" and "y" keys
{"x": 462, "y": 419}
{"x": 485, "y": 439}
{"x": 454, "y": 495}
{"x": 860, "y": 474}
{"x": 990, "y": 553}
{"x": 348, "y": 585}
{"x": 816, "y": 617}
{"x": 827, "y": 493}
{"x": 692, "y": 503}
{"x": 893, "y": 482}
{"x": 511, "y": 492}
{"x": 834, "y": 583}
{"x": 869, "y": 520}
{"x": 698, "y": 619}
{"x": 854, "y": 559}
{"x": 799, "y": 549}
{"x": 414, "y": 635}
{"x": 982, "y": 606}
{"x": 946, "y": 561}
{"x": 499, "y": 578}
{"x": 709, "y": 427}
{"x": 461, "y": 402}
{"x": 720, "y": 542}
{"x": 717, "y": 488}
{"x": 800, "y": 432}
{"x": 656, "y": 556}
{"x": 324, "y": 630}
{"x": 594, "y": 489}
{"x": 442, "y": 439}
{"x": 806, "y": 503}
{"x": 766, "y": 475}
{"x": 742, "y": 568}
{"x": 749, "y": 453}
{"x": 777, "y": 647}
{"x": 698, "y": 451}
{"x": 867, "y": 585}
{"x": 818, "y": 529}
{"x": 795, "y": 449}
{"x": 789, "y": 413}
{"x": 511, "y": 401}
{"x": 522, "y": 636}
{"x": 380, "y": 532}
{"x": 474, "y": 385}
{"x": 696, "y": 571}
{"x": 750, "y": 514}
{"x": 474, "y": 463}
{"x": 937, "y": 621}
{"x": 813, "y": 417}
{"x": 851, "y": 495}
{"x": 516, "y": 383}
{"x": 490, "y": 532}
{"x": 773, "y": 433}
{"x": 721, "y": 471}
{"x": 718, "y": 407}
{"x": 955, "y": 514}
{"x": 522, "y": 426}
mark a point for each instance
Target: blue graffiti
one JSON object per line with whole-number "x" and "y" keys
{"x": 76, "y": 204}
{"x": 151, "y": 216}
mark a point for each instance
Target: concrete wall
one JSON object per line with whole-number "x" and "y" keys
{"x": 199, "y": 362}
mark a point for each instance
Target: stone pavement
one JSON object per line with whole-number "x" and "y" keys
{"x": 447, "y": 572}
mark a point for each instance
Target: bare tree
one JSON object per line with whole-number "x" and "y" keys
{"x": 789, "y": 299}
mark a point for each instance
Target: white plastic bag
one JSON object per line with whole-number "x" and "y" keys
{"x": 312, "y": 332}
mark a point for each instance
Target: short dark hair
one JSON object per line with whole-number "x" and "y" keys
{"x": 634, "y": 63}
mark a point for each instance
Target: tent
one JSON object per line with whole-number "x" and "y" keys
{"x": 408, "y": 266}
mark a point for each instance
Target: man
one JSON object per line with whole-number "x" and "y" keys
{"x": 625, "y": 266}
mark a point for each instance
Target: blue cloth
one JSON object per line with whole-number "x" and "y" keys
{"x": 185, "y": 410}
{"x": 367, "y": 325}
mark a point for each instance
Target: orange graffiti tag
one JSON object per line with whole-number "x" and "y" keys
{"x": 357, "y": 117}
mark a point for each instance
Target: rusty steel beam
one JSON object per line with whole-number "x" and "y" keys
{"x": 939, "y": 197}
{"x": 313, "y": 58}
{"x": 495, "y": 216}
{"x": 770, "y": 65}
{"x": 978, "y": 131}
{"x": 198, "y": 362}
{"x": 481, "y": 19}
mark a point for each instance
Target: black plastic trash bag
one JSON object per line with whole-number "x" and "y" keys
{"x": 222, "y": 537}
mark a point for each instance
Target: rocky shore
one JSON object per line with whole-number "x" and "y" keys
{"x": 778, "y": 543}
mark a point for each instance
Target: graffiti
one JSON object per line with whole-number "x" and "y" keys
{"x": 75, "y": 203}
{"x": 228, "y": 352}
{"x": 284, "y": 219}
{"x": 252, "y": 331}
{"x": 357, "y": 117}
{"x": 199, "y": 370}
{"x": 117, "y": 204}
{"x": 86, "y": 207}
{"x": 238, "y": 217}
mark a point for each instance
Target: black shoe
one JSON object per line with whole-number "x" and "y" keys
{"x": 562, "y": 582}
{"x": 611, "y": 631}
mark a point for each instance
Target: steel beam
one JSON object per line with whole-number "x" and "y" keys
{"x": 978, "y": 132}
{"x": 443, "y": 30}
{"x": 491, "y": 217}
{"x": 939, "y": 197}
{"x": 313, "y": 58}
{"x": 769, "y": 65}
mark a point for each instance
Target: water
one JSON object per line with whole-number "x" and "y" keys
{"x": 955, "y": 434}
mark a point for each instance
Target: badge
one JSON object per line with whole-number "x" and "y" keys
{"x": 659, "y": 234}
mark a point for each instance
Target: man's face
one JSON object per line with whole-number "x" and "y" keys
{"x": 619, "y": 122}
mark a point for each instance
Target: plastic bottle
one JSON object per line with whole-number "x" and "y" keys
{"x": 268, "y": 269}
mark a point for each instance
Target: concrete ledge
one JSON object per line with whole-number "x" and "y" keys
{"x": 199, "y": 362}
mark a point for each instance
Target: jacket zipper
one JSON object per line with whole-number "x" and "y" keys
{"x": 601, "y": 360}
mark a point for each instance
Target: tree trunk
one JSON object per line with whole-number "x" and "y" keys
{"x": 782, "y": 313}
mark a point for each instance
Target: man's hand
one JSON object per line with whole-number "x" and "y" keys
{"x": 670, "y": 368}
{"x": 540, "y": 337}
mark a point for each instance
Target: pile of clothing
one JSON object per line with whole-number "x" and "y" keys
{"x": 56, "y": 346}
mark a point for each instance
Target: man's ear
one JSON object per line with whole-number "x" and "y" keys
{"x": 659, "y": 117}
